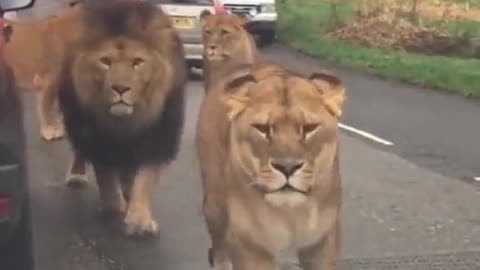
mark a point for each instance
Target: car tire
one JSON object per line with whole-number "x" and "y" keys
{"x": 266, "y": 38}
{"x": 18, "y": 253}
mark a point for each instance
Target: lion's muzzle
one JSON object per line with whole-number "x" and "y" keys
{"x": 121, "y": 103}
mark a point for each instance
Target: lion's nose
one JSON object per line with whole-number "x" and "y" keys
{"x": 120, "y": 88}
{"x": 287, "y": 167}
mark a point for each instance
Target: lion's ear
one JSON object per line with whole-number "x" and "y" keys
{"x": 236, "y": 95}
{"x": 332, "y": 89}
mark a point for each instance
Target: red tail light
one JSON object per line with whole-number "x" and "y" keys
{"x": 219, "y": 9}
{"x": 4, "y": 208}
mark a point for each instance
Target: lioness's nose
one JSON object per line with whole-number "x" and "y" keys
{"x": 120, "y": 88}
{"x": 287, "y": 167}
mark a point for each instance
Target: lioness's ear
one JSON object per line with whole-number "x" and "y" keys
{"x": 242, "y": 20}
{"x": 203, "y": 17}
{"x": 332, "y": 90}
{"x": 74, "y": 3}
{"x": 7, "y": 32}
{"x": 236, "y": 95}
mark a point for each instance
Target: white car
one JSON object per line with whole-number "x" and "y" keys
{"x": 262, "y": 15}
{"x": 185, "y": 15}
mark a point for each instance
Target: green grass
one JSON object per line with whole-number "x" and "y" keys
{"x": 465, "y": 28}
{"x": 303, "y": 26}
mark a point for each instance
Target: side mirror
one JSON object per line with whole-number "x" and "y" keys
{"x": 11, "y": 5}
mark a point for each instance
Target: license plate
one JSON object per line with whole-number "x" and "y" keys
{"x": 182, "y": 22}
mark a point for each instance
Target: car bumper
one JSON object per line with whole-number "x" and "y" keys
{"x": 193, "y": 51}
{"x": 264, "y": 17}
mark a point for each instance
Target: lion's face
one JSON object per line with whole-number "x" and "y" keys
{"x": 284, "y": 132}
{"x": 224, "y": 37}
{"x": 116, "y": 79}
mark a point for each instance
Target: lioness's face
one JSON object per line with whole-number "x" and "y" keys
{"x": 120, "y": 71}
{"x": 284, "y": 133}
{"x": 224, "y": 36}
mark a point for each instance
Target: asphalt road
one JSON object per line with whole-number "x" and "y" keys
{"x": 403, "y": 204}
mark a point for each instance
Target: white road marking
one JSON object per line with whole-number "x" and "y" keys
{"x": 476, "y": 179}
{"x": 365, "y": 134}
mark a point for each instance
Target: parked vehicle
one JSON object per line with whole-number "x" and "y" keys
{"x": 15, "y": 221}
{"x": 185, "y": 16}
{"x": 262, "y": 15}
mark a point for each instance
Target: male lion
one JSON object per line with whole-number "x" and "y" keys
{"x": 226, "y": 44}
{"x": 34, "y": 50}
{"x": 122, "y": 99}
{"x": 268, "y": 149}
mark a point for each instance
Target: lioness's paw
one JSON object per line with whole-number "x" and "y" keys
{"x": 140, "y": 223}
{"x": 77, "y": 180}
{"x": 52, "y": 132}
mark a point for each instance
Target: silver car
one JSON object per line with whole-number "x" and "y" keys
{"x": 185, "y": 15}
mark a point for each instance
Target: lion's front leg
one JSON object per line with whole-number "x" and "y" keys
{"x": 51, "y": 125}
{"x": 139, "y": 220}
{"x": 77, "y": 173}
{"x": 111, "y": 195}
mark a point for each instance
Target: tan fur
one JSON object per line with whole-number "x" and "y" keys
{"x": 126, "y": 84}
{"x": 226, "y": 44}
{"x": 253, "y": 122}
{"x": 35, "y": 50}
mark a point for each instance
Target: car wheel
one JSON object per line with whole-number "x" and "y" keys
{"x": 18, "y": 253}
{"x": 266, "y": 38}
{"x": 195, "y": 69}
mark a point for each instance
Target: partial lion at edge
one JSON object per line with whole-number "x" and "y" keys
{"x": 35, "y": 49}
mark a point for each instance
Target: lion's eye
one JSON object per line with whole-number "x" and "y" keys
{"x": 208, "y": 32}
{"x": 137, "y": 61}
{"x": 106, "y": 62}
{"x": 224, "y": 32}
{"x": 264, "y": 129}
{"x": 309, "y": 129}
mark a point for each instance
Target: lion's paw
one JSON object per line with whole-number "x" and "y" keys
{"x": 112, "y": 211}
{"x": 52, "y": 132}
{"x": 77, "y": 180}
{"x": 140, "y": 223}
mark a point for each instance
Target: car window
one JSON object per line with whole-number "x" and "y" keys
{"x": 185, "y": 2}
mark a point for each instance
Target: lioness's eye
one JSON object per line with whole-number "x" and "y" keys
{"x": 208, "y": 32}
{"x": 106, "y": 62}
{"x": 224, "y": 32}
{"x": 264, "y": 129}
{"x": 137, "y": 61}
{"x": 309, "y": 129}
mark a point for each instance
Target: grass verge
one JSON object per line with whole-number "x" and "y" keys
{"x": 303, "y": 26}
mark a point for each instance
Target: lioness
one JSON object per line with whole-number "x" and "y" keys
{"x": 122, "y": 97}
{"x": 268, "y": 148}
{"x": 226, "y": 45}
{"x": 35, "y": 49}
